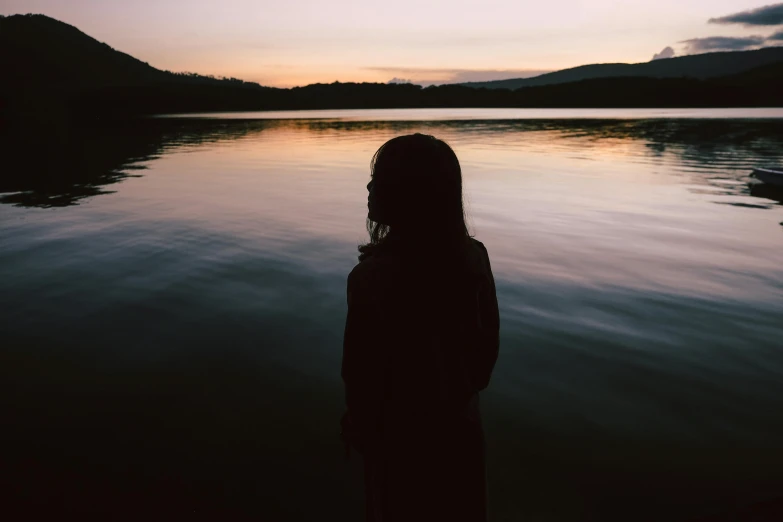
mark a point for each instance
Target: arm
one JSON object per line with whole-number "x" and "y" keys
{"x": 489, "y": 327}
{"x": 363, "y": 367}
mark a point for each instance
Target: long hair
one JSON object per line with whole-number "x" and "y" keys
{"x": 415, "y": 195}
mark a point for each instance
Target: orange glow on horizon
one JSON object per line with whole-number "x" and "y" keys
{"x": 303, "y": 42}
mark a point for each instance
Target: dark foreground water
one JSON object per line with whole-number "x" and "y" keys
{"x": 172, "y": 297}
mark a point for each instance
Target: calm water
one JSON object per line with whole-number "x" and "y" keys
{"x": 173, "y": 303}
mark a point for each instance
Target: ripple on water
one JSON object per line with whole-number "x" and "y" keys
{"x": 638, "y": 279}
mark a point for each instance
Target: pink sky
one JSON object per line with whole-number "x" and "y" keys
{"x": 295, "y": 42}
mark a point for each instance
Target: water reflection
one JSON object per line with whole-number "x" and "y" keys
{"x": 61, "y": 168}
{"x": 73, "y": 162}
{"x": 178, "y": 342}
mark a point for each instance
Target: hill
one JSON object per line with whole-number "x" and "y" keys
{"x": 47, "y": 62}
{"x": 43, "y": 51}
{"x": 769, "y": 76}
{"x": 52, "y": 70}
{"x": 700, "y": 66}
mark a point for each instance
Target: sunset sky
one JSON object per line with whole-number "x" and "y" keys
{"x": 296, "y": 42}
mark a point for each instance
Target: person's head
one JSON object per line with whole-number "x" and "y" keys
{"x": 415, "y": 192}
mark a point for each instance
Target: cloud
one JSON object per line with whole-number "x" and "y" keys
{"x": 668, "y": 52}
{"x": 777, "y": 37}
{"x": 767, "y": 15}
{"x": 425, "y": 76}
{"x": 399, "y": 80}
{"x": 722, "y": 43}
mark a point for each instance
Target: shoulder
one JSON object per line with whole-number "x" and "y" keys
{"x": 481, "y": 260}
{"x": 479, "y": 245}
{"x": 481, "y": 250}
{"x": 370, "y": 272}
{"x": 371, "y": 285}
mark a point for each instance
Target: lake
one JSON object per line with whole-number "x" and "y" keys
{"x": 173, "y": 296}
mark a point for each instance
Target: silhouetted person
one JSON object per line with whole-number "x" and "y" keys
{"x": 421, "y": 340}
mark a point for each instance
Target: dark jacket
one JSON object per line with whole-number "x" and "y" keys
{"x": 421, "y": 340}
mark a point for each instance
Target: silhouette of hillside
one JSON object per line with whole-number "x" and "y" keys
{"x": 700, "y": 66}
{"x": 43, "y": 51}
{"x": 52, "y": 70}
{"x": 46, "y": 52}
{"x": 47, "y": 62}
{"x": 758, "y": 87}
{"x": 770, "y": 75}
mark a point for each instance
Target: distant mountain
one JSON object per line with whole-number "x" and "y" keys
{"x": 700, "y": 66}
{"x": 41, "y": 50}
{"x": 768, "y": 76}
{"x": 46, "y": 62}
{"x": 52, "y": 71}
{"x": 44, "y": 51}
